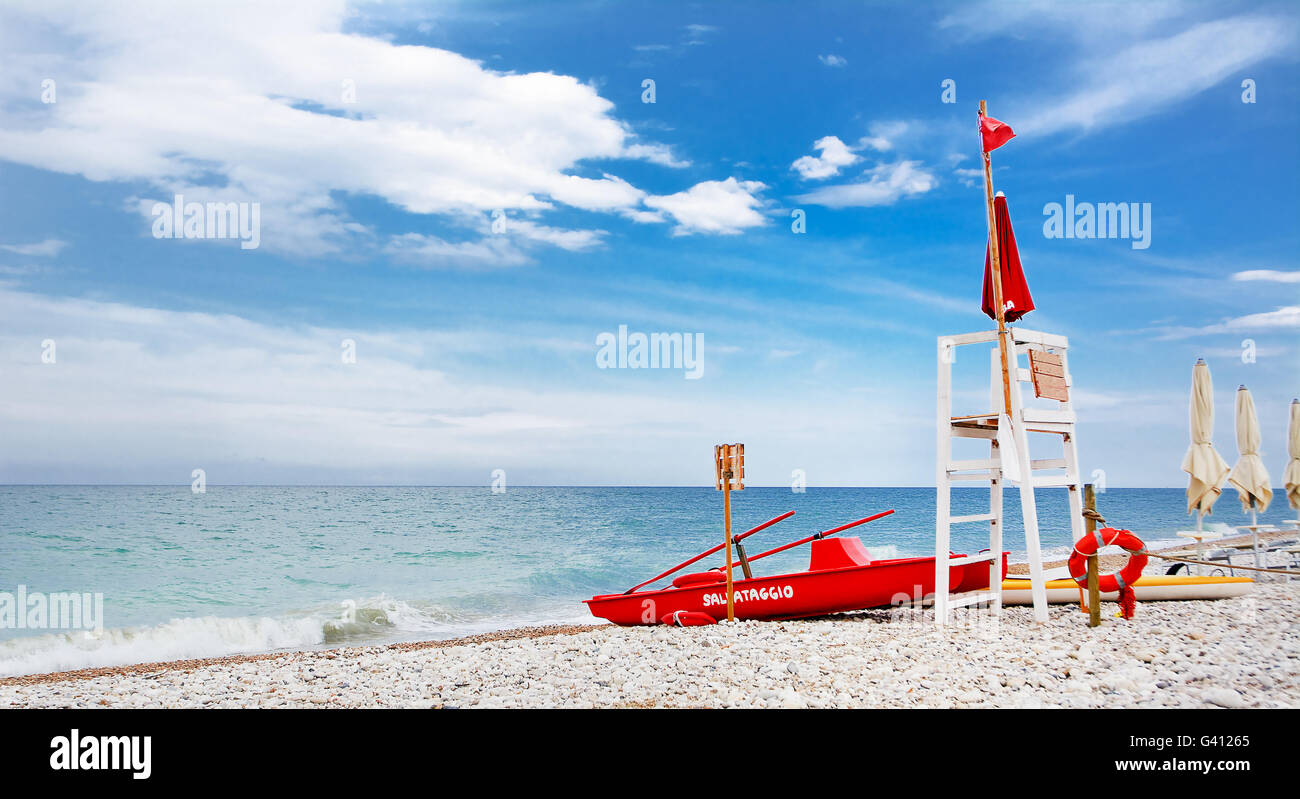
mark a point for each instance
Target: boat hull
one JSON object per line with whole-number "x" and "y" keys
{"x": 1149, "y": 588}
{"x": 790, "y": 596}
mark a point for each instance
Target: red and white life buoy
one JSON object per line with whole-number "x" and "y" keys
{"x": 687, "y": 618}
{"x": 1121, "y": 581}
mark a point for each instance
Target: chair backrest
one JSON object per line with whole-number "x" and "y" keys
{"x": 1048, "y": 372}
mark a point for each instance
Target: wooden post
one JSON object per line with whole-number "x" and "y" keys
{"x": 995, "y": 263}
{"x": 726, "y": 513}
{"x": 730, "y": 465}
{"x": 1094, "y": 592}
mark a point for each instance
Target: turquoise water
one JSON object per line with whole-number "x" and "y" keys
{"x": 254, "y": 568}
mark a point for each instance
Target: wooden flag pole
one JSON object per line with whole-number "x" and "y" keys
{"x": 729, "y": 462}
{"x": 996, "y": 263}
{"x": 1094, "y": 592}
{"x": 726, "y": 513}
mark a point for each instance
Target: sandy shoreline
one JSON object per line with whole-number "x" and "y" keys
{"x": 197, "y": 663}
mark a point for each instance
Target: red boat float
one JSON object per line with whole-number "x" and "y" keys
{"x": 841, "y": 576}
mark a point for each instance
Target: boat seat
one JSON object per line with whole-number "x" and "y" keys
{"x": 838, "y": 553}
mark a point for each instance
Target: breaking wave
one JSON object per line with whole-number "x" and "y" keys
{"x": 349, "y": 623}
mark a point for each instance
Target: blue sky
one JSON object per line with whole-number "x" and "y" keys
{"x": 475, "y": 349}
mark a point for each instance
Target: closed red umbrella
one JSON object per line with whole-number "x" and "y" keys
{"x": 1015, "y": 291}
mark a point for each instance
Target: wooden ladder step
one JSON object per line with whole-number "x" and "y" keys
{"x": 982, "y": 557}
{"x": 975, "y": 417}
{"x": 1056, "y": 481}
{"x": 1032, "y": 415}
{"x": 1048, "y": 463}
{"x": 963, "y": 430}
{"x": 978, "y": 463}
{"x": 980, "y": 517}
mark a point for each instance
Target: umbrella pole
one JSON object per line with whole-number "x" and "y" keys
{"x": 996, "y": 264}
{"x": 1200, "y": 517}
{"x": 1254, "y": 532}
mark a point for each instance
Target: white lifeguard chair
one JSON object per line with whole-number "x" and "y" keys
{"x": 1007, "y": 428}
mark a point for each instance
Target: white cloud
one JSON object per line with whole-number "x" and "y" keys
{"x": 488, "y": 242}
{"x": 696, "y": 34}
{"x": 1270, "y": 275}
{"x": 433, "y": 252}
{"x": 609, "y": 193}
{"x": 252, "y": 401}
{"x": 1286, "y": 317}
{"x": 833, "y": 156}
{"x": 1096, "y": 19}
{"x": 833, "y": 60}
{"x": 250, "y": 99}
{"x": 1283, "y": 318}
{"x": 1152, "y": 75}
{"x": 226, "y": 393}
{"x": 656, "y": 154}
{"x": 1124, "y": 70}
{"x": 713, "y": 206}
{"x": 572, "y": 240}
{"x": 43, "y": 249}
{"x": 883, "y": 135}
{"x": 885, "y": 185}
{"x": 637, "y": 215}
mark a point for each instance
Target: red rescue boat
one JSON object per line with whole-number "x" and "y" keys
{"x": 841, "y": 576}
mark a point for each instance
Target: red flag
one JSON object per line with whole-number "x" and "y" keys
{"x": 994, "y": 133}
{"x": 1015, "y": 291}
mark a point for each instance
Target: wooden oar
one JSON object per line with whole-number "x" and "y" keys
{"x": 815, "y": 536}
{"x": 710, "y": 551}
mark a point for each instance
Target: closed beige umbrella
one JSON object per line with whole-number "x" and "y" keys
{"x": 1202, "y": 462}
{"x": 1291, "y": 477}
{"x": 1249, "y": 476}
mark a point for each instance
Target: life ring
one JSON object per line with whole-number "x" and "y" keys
{"x": 1120, "y": 582}
{"x": 687, "y": 618}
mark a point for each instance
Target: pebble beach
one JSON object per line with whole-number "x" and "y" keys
{"x": 1234, "y": 653}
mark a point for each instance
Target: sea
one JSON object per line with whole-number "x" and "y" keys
{"x": 249, "y": 569}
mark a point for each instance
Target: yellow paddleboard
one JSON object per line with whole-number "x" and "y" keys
{"x": 1149, "y": 588}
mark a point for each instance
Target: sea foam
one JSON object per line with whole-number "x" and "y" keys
{"x": 351, "y": 622}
